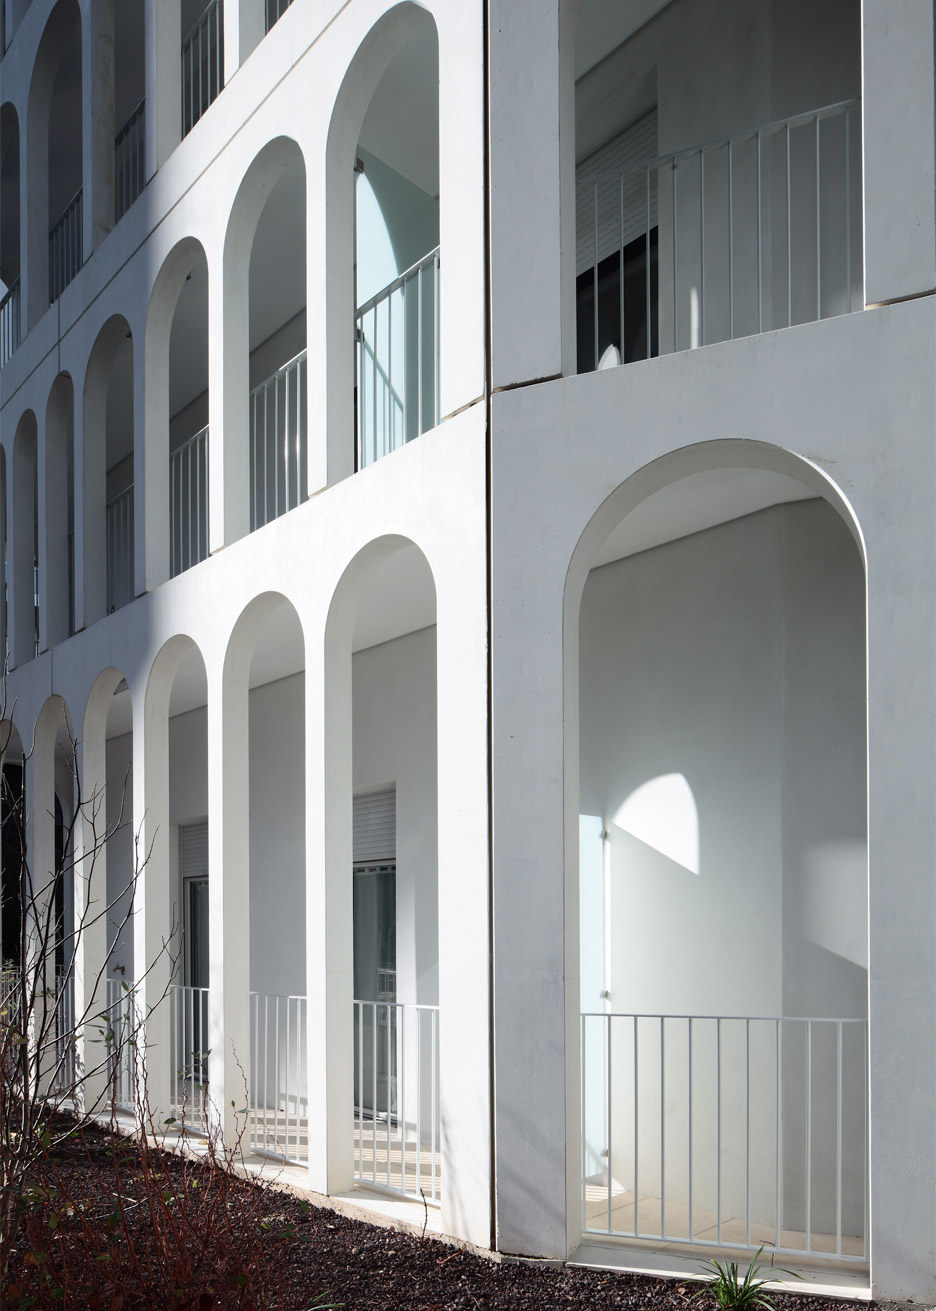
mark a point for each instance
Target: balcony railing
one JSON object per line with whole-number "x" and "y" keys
{"x": 130, "y": 160}
{"x": 188, "y": 1044}
{"x": 65, "y": 248}
{"x": 278, "y": 1101}
{"x": 10, "y": 322}
{"x": 396, "y": 1098}
{"x": 275, "y": 10}
{"x": 188, "y": 503}
{"x": 397, "y": 336}
{"x": 202, "y": 64}
{"x": 120, "y": 550}
{"x": 278, "y": 443}
{"x": 742, "y": 1131}
{"x": 734, "y": 237}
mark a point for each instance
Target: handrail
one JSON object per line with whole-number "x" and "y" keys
{"x": 203, "y": 17}
{"x": 397, "y": 283}
{"x": 189, "y": 441}
{"x": 277, "y": 373}
{"x": 685, "y": 152}
{"x": 134, "y": 115}
{"x": 72, "y": 204}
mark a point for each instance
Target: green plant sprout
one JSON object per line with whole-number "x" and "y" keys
{"x": 734, "y": 1291}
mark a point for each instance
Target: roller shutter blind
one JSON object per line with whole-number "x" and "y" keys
{"x": 193, "y": 843}
{"x": 375, "y": 827}
{"x": 621, "y": 210}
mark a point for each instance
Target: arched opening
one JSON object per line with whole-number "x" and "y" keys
{"x": 383, "y": 855}
{"x": 276, "y": 338}
{"x": 12, "y": 841}
{"x": 9, "y": 233}
{"x": 4, "y": 549}
{"x": 64, "y": 817}
{"x": 25, "y": 563}
{"x": 396, "y": 250}
{"x": 722, "y": 863}
{"x": 265, "y": 687}
{"x": 129, "y": 103}
{"x": 680, "y": 243}
{"x": 55, "y": 126}
{"x": 202, "y": 57}
{"x": 108, "y": 472}
{"x": 183, "y": 371}
{"x": 60, "y": 511}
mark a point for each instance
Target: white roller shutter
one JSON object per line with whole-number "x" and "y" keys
{"x": 621, "y": 211}
{"x": 193, "y": 846}
{"x": 375, "y": 827}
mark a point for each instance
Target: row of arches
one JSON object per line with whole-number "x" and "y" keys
{"x": 151, "y": 394}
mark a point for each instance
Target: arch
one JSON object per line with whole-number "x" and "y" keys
{"x": 59, "y": 511}
{"x": 263, "y": 855}
{"x": 177, "y": 403}
{"x": 55, "y": 129}
{"x": 24, "y": 620}
{"x": 392, "y": 31}
{"x": 9, "y": 231}
{"x": 278, "y": 162}
{"x": 382, "y": 748}
{"x": 108, "y": 439}
{"x": 715, "y": 673}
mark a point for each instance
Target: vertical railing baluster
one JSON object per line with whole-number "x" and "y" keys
{"x": 662, "y": 1126}
{"x": 808, "y": 1135}
{"x": 689, "y": 1117}
{"x": 818, "y": 223}
{"x": 608, "y": 1122}
{"x": 718, "y": 1130}
{"x": 636, "y": 1129}
{"x": 838, "y": 1138}
{"x": 647, "y": 265}
{"x": 789, "y": 232}
{"x": 675, "y": 259}
{"x": 760, "y": 314}
{"x": 730, "y": 241}
{"x": 778, "y": 1106}
{"x": 595, "y": 282}
{"x": 747, "y": 1132}
{"x": 701, "y": 340}
{"x": 848, "y": 278}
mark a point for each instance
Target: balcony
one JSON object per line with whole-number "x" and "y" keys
{"x": 202, "y": 64}
{"x": 130, "y": 160}
{"x": 397, "y": 357}
{"x": 278, "y": 443}
{"x": 10, "y": 322}
{"x": 65, "y": 248}
{"x": 188, "y": 503}
{"x": 734, "y": 237}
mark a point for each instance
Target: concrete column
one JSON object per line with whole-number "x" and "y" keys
{"x": 244, "y": 29}
{"x": 329, "y": 936}
{"x": 41, "y": 531}
{"x": 21, "y": 489}
{"x": 91, "y": 490}
{"x": 163, "y": 111}
{"x": 78, "y": 500}
{"x": 228, "y": 432}
{"x": 316, "y": 336}
{"x": 899, "y": 167}
{"x": 40, "y": 892}
{"x": 229, "y": 891}
{"x": 526, "y": 239}
{"x": 90, "y": 883}
{"x": 155, "y": 911}
{"x": 98, "y": 127}
{"x": 141, "y": 537}
{"x": 54, "y": 498}
{"x": 34, "y": 209}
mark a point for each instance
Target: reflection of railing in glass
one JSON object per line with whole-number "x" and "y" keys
{"x": 188, "y": 503}
{"x": 65, "y": 248}
{"x": 202, "y": 64}
{"x": 129, "y": 160}
{"x": 10, "y": 321}
{"x": 275, "y": 10}
{"x": 733, "y": 237}
{"x": 396, "y": 1098}
{"x": 278, "y": 443}
{"x": 397, "y": 353}
{"x": 120, "y": 550}
{"x": 738, "y": 1130}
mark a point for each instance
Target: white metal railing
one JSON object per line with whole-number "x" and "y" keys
{"x": 397, "y": 354}
{"x": 275, "y": 10}
{"x": 188, "y": 1043}
{"x": 65, "y": 1065}
{"x": 278, "y": 443}
{"x": 278, "y": 1101}
{"x": 188, "y": 503}
{"x": 737, "y": 236}
{"x": 65, "y": 248}
{"x": 10, "y": 321}
{"x": 130, "y": 160}
{"x": 120, "y": 1037}
{"x": 35, "y": 605}
{"x": 120, "y": 550}
{"x": 727, "y": 1130}
{"x": 396, "y": 1098}
{"x": 202, "y": 64}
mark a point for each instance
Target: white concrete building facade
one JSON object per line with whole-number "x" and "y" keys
{"x": 467, "y": 485}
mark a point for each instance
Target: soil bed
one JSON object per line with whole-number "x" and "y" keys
{"x": 291, "y": 1253}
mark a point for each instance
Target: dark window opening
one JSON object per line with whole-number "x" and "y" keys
{"x": 622, "y": 317}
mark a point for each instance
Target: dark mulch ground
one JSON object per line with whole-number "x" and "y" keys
{"x": 267, "y": 1249}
